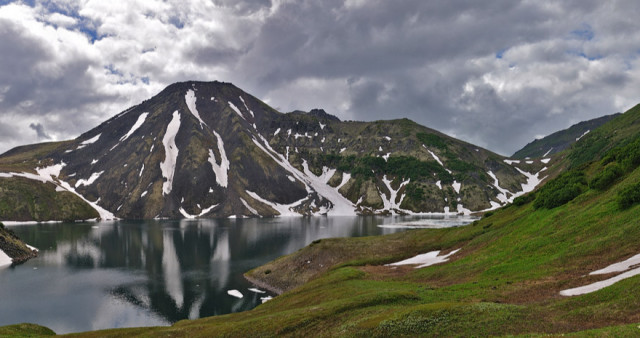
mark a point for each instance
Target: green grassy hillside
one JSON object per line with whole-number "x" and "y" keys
{"x": 505, "y": 280}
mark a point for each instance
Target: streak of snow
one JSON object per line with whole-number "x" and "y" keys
{"x": 390, "y": 203}
{"x": 276, "y": 132}
{"x": 135, "y": 127}
{"x": 168, "y": 166}
{"x": 245, "y": 105}
{"x": 288, "y": 132}
{"x": 548, "y": 151}
{"x": 235, "y": 109}
{"x": 221, "y": 170}
{"x": 435, "y": 157}
{"x": 256, "y": 290}
{"x": 502, "y": 196}
{"x": 246, "y": 205}
{"x": 424, "y": 260}
{"x": 144, "y": 194}
{"x": 141, "y": 170}
{"x": 282, "y": 209}
{"x": 545, "y": 160}
{"x": 265, "y": 299}
{"x": 89, "y": 141}
{"x": 583, "y": 135}
{"x": 343, "y": 149}
{"x": 90, "y": 180}
{"x": 600, "y": 285}
{"x": 341, "y": 205}
{"x": 190, "y": 99}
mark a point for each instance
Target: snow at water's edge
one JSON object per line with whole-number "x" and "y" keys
{"x": 5, "y": 260}
{"x": 235, "y": 293}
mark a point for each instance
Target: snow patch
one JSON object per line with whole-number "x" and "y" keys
{"x": 276, "y": 132}
{"x": 282, "y": 209}
{"x": 583, "y": 135}
{"x": 387, "y": 138}
{"x": 144, "y": 194}
{"x": 245, "y": 105}
{"x": 235, "y": 109}
{"x": 510, "y": 162}
{"x": 91, "y": 140}
{"x": 390, "y": 203}
{"x": 5, "y": 260}
{"x": 221, "y": 170}
{"x": 439, "y": 185}
{"x": 322, "y": 125}
{"x": 456, "y": 186}
{"x": 343, "y": 149}
{"x": 90, "y": 180}
{"x": 424, "y": 260}
{"x": 190, "y": 99}
{"x": 256, "y": 290}
{"x": 141, "y": 170}
{"x": 246, "y": 205}
{"x": 435, "y": 157}
{"x": 386, "y": 157}
{"x": 135, "y": 127}
{"x": 545, "y": 160}
{"x": 235, "y": 293}
{"x": 168, "y": 166}
{"x": 502, "y": 196}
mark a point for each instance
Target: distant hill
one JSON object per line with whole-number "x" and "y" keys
{"x": 560, "y": 140}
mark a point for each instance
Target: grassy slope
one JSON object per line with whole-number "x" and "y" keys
{"x": 504, "y": 280}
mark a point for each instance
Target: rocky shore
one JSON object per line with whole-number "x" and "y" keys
{"x": 15, "y": 248}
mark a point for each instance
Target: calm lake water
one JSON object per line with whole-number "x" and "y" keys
{"x": 92, "y": 276}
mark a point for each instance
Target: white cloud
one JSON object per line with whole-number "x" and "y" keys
{"x": 486, "y": 72}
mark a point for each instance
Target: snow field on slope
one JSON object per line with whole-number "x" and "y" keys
{"x": 135, "y": 126}
{"x": 221, "y": 170}
{"x": 190, "y": 99}
{"x": 168, "y": 166}
{"x": 426, "y": 259}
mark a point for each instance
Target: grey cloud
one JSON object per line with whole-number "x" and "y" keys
{"x": 39, "y": 129}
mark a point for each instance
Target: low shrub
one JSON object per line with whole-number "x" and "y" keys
{"x": 524, "y": 199}
{"x": 605, "y": 178}
{"x": 561, "y": 190}
{"x": 629, "y": 196}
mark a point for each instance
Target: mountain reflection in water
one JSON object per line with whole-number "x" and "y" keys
{"x": 92, "y": 276}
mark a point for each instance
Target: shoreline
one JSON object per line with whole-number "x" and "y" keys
{"x": 263, "y": 285}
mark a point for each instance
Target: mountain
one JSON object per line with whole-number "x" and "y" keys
{"x": 560, "y": 260}
{"x": 208, "y": 149}
{"x": 561, "y": 140}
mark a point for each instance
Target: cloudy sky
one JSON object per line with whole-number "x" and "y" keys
{"x": 495, "y": 73}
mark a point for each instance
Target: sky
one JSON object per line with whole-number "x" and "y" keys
{"x": 494, "y": 73}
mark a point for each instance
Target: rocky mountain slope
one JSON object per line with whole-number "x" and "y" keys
{"x": 561, "y": 140}
{"x": 211, "y": 150}
{"x": 12, "y": 249}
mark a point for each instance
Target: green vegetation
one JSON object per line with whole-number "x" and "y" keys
{"x": 605, "y": 178}
{"x": 25, "y": 330}
{"x": 560, "y": 191}
{"x": 431, "y": 140}
{"x": 629, "y": 196}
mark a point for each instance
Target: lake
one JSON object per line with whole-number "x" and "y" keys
{"x": 91, "y": 276}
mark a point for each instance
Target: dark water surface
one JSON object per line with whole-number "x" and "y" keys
{"x": 92, "y": 276}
